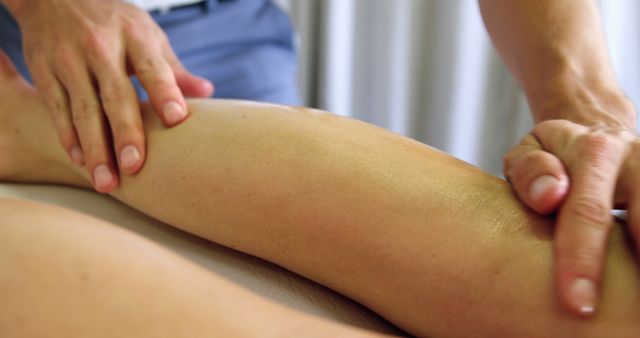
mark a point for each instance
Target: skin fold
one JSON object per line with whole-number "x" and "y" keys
{"x": 431, "y": 243}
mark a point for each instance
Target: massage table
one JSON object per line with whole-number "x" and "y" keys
{"x": 257, "y": 275}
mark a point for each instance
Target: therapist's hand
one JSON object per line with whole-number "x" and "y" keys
{"x": 581, "y": 167}
{"x": 80, "y": 55}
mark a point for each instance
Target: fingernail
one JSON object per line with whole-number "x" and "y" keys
{"x": 129, "y": 157}
{"x": 102, "y": 176}
{"x": 207, "y": 85}
{"x": 541, "y": 185}
{"x": 76, "y": 155}
{"x": 563, "y": 182}
{"x": 582, "y": 295}
{"x": 173, "y": 112}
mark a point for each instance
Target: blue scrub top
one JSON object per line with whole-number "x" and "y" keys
{"x": 245, "y": 47}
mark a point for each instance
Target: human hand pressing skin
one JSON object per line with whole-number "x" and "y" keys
{"x": 580, "y": 157}
{"x": 582, "y": 167}
{"x": 80, "y": 55}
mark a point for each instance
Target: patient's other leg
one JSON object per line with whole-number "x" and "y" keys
{"x": 64, "y": 274}
{"x": 429, "y": 242}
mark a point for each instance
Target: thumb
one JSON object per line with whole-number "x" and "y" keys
{"x": 537, "y": 176}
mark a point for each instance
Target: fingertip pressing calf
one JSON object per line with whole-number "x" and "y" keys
{"x": 173, "y": 113}
{"x": 130, "y": 158}
{"x": 547, "y": 192}
{"x": 104, "y": 180}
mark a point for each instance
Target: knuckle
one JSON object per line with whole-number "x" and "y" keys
{"x": 138, "y": 24}
{"x": 66, "y": 136}
{"x": 562, "y": 127}
{"x": 112, "y": 93}
{"x": 598, "y": 147}
{"x": 552, "y": 124}
{"x": 161, "y": 83}
{"x": 131, "y": 29}
{"x": 535, "y": 157}
{"x": 55, "y": 102}
{"x": 528, "y": 162}
{"x": 65, "y": 57}
{"x": 60, "y": 120}
{"x": 598, "y": 144}
{"x": 95, "y": 40}
{"x": 85, "y": 110}
{"x": 95, "y": 148}
{"x": 95, "y": 153}
{"x": 563, "y": 124}
{"x": 127, "y": 128}
{"x": 48, "y": 90}
{"x": 58, "y": 105}
{"x": 596, "y": 140}
{"x": 148, "y": 67}
{"x": 593, "y": 212}
{"x": 585, "y": 257}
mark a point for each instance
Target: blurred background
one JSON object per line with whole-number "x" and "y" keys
{"x": 426, "y": 69}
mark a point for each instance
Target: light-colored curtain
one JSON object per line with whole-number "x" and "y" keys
{"x": 426, "y": 69}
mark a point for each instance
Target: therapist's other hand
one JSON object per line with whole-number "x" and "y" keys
{"x": 80, "y": 55}
{"x": 581, "y": 167}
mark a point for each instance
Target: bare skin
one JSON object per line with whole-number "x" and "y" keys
{"x": 581, "y": 157}
{"x": 429, "y": 242}
{"x": 555, "y": 48}
{"x": 80, "y": 55}
{"x": 66, "y": 274}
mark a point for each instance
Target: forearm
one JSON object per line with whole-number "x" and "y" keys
{"x": 557, "y": 51}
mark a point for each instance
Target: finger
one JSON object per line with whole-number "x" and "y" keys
{"x": 628, "y": 187}
{"x": 89, "y": 122}
{"x": 585, "y": 222}
{"x": 191, "y": 85}
{"x": 120, "y": 104}
{"x": 631, "y": 190}
{"x": 157, "y": 78}
{"x": 56, "y": 101}
{"x": 537, "y": 176}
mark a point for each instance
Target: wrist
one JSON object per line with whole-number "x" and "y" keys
{"x": 587, "y": 100}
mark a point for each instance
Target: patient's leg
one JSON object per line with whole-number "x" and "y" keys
{"x": 431, "y": 243}
{"x": 64, "y": 274}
